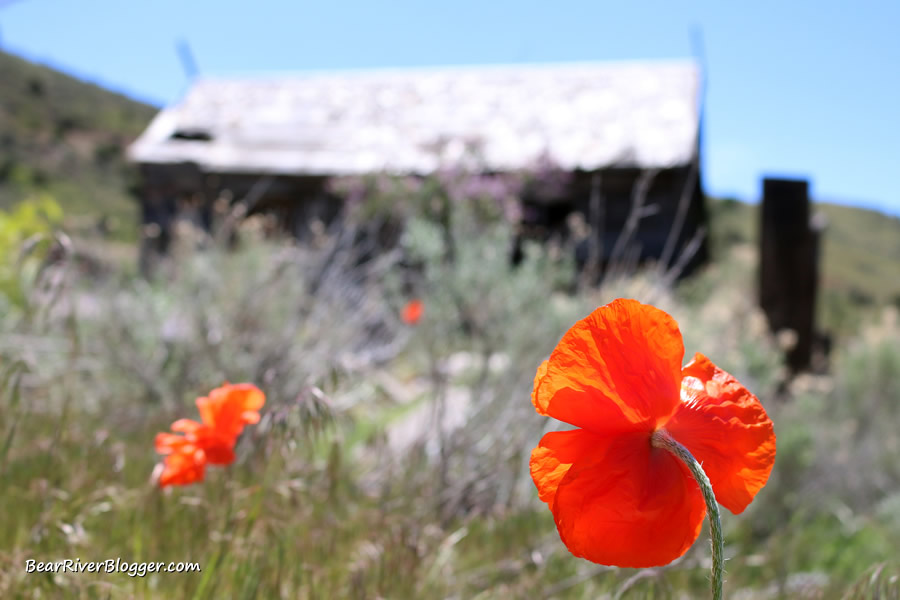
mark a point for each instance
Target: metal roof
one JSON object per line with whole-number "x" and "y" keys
{"x": 580, "y": 115}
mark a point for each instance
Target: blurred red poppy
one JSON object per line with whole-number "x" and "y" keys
{"x": 184, "y": 467}
{"x": 412, "y": 312}
{"x": 228, "y": 408}
{"x": 616, "y": 498}
{"x": 223, "y": 413}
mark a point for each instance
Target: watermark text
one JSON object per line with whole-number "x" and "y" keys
{"x": 111, "y": 565}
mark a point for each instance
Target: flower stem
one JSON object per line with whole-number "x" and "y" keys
{"x": 662, "y": 439}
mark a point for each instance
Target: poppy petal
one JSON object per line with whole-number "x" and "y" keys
{"x": 621, "y": 502}
{"x": 247, "y": 396}
{"x": 250, "y": 417}
{"x": 726, "y": 428}
{"x": 208, "y": 409}
{"x": 183, "y": 468}
{"x": 412, "y": 312}
{"x": 219, "y": 454}
{"x": 616, "y": 370}
{"x": 230, "y": 407}
{"x": 217, "y": 445}
{"x": 551, "y": 460}
{"x": 167, "y": 443}
{"x": 186, "y": 426}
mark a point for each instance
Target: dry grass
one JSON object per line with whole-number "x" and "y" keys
{"x": 320, "y": 504}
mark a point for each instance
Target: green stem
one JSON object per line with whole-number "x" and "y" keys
{"x": 662, "y": 439}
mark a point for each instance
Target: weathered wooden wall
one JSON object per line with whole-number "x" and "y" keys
{"x": 171, "y": 192}
{"x": 628, "y": 216}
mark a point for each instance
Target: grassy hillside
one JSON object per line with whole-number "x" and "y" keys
{"x": 860, "y": 256}
{"x": 65, "y": 137}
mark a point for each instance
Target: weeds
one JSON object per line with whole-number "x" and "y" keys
{"x": 391, "y": 459}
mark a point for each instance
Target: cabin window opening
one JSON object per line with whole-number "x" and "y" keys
{"x": 192, "y": 135}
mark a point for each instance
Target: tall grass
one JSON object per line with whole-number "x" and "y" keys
{"x": 391, "y": 461}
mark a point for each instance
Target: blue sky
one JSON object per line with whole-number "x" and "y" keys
{"x": 806, "y": 89}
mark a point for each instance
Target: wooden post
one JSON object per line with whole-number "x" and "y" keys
{"x": 158, "y": 215}
{"x": 789, "y": 265}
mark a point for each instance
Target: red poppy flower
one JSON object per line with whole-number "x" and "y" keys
{"x": 616, "y": 498}
{"x": 228, "y": 408}
{"x": 184, "y": 467}
{"x": 217, "y": 446}
{"x": 223, "y": 413}
{"x": 412, "y": 312}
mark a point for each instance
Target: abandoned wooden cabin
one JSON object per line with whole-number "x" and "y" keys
{"x": 627, "y": 135}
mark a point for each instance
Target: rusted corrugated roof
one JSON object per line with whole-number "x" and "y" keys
{"x": 587, "y": 115}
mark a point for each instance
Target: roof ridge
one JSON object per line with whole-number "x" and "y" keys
{"x": 451, "y": 68}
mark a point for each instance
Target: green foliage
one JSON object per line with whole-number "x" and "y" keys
{"x": 24, "y": 231}
{"x": 34, "y": 216}
{"x": 732, "y": 223}
{"x": 66, "y": 138}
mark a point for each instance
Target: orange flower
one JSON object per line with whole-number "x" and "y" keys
{"x": 223, "y": 413}
{"x": 230, "y": 407}
{"x": 412, "y": 312}
{"x": 616, "y": 498}
{"x": 217, "y": 446}
{"x": 183, "y": 468}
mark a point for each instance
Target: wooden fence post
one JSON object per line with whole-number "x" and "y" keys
{"x": 789, "y": 265}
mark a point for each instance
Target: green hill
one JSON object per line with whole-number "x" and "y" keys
{"x": 65, "y": 137}
{"x": 860, "y": 256}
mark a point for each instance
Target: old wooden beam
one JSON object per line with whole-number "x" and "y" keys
{"x": 789, "y": 266}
